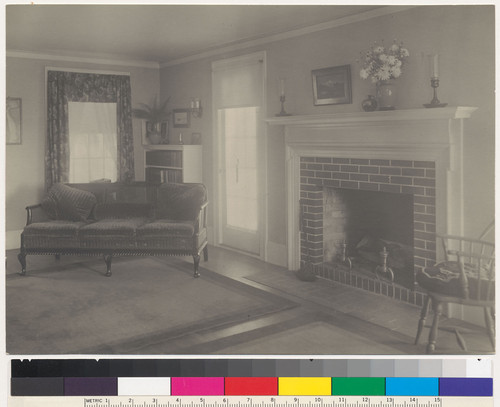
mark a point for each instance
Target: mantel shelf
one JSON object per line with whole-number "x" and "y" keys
{"x": 444, "y": 113}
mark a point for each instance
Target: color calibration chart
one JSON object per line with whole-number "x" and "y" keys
{"x": 252, "y": 383}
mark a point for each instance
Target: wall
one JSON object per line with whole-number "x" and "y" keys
{"x": 463, "y": 35}
{"x": 25, "y": 182}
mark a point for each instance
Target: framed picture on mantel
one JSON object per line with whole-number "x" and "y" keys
{"x": 332, "y": 86}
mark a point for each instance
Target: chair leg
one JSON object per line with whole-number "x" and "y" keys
{"x": 423, "y": 316}
{"x": 489, "y": 325}
{"x": 196, "y": 258}
{"x": 437, "y": 308}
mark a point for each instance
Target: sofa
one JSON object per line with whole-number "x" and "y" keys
{"x": 118, "y": 219}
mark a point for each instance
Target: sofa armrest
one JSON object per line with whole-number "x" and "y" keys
{"x": 202, "y": 217}
{"x": 35, "y": 213}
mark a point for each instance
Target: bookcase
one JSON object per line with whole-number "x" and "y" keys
{"x": 173, "y": 163}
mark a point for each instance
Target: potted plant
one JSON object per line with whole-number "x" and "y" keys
{"x": 154, "y": 115}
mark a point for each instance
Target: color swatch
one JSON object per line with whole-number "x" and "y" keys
{"x": 225, "y": 377}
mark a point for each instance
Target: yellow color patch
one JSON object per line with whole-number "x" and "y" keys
{"x": 305, "y": 386}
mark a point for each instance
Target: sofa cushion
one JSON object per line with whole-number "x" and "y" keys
{"x": 444, "y": 278}
{"x": 63, "y": 228}
{"x": 166, "y": 227}
{"x": 180, "y": 201}
{"x": 112, "y": 227}
{"x": 123, "y": 210}
{"x": 71, "y": 203}
{"x": 60, "y": 234}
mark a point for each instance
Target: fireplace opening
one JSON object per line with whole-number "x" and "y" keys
{"x": 361, "y": 227}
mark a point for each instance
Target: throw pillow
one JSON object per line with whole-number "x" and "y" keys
{"x": 72, "y": 203}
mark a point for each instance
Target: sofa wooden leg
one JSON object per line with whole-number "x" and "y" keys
{"x": 107, "y": 259}
{"x": 423, "y": 316}
{"x": 22, "y": 259}
{"x": 205, "y": 253}
{"x": 196, "y": 258}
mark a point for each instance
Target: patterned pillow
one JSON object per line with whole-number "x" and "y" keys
{"x": 71, "y": 203}
{"x": 180, "y": 201}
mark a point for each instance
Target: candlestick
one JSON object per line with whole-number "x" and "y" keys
{"x": 435, "y": 101}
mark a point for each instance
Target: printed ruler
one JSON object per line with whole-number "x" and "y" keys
{"x": 253, "y": 401}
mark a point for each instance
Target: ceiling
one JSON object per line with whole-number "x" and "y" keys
{"x": 156, "y": 33}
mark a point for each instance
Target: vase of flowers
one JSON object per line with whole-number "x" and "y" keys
{"x": 383, "y": 65}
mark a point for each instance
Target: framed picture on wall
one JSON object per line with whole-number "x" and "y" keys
{"x": 13, "y": 121}
{"x": 332, "y": 86}
{"x": 182, "y": 117}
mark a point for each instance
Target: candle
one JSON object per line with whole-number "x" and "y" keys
{"x": 435, "y": 66}
{"x": 282, "y": 87}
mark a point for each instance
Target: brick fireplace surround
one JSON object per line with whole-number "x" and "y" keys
{"x": 415, "y": 151}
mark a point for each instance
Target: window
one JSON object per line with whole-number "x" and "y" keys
{"x": 92, "y": 141}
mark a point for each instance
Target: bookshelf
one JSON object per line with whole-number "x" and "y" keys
{"x": 173, "y": 163}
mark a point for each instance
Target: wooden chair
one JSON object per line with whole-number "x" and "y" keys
{"x": 466, "y": 276}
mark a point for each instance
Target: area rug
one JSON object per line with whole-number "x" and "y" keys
{"x": 312, "y": 338}
{"x": 76, "y": 310}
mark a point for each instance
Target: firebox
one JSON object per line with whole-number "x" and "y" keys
{"x": 363, "y": 227}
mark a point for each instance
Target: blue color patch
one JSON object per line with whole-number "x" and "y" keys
{"x": 412, "y": 386}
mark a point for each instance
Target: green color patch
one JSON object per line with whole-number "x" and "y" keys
{"x": 358, "y": 386}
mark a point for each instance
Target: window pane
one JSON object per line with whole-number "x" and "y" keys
{"x": 93, "y": 141}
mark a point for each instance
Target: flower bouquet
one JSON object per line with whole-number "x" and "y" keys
{"x": 381, "y": 63}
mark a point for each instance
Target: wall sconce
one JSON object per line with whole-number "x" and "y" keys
{"x": 196, "y": 109}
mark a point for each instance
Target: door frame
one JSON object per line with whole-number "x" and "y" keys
{"x": 216, "y": 155}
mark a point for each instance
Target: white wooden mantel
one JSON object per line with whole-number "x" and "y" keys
{"x": 411, "y": 134}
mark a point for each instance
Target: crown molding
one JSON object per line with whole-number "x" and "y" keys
{"x": 379, "y": 12}
{"x": 78, "y": 59}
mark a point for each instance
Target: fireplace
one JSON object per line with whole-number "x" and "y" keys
{"x": 369, "y": 204}
{"x": 414, "y": 153}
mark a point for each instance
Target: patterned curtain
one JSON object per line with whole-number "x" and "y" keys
{"x": 64, "y": 87}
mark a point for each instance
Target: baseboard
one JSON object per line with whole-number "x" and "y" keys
{"x": 276, "y": 254}
{"x": 13, "y": 239}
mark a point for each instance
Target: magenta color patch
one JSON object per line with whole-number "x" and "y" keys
{"x": 197, "y": 386}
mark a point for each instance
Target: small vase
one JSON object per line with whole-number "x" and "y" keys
{"x": 154, "y": 138}
{"x": 386, "y": 95}
{"x": 370, "y": 104}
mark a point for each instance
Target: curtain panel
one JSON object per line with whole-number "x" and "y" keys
{"x": 64, "y": 87}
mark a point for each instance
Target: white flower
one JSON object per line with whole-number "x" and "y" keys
{"x": 363, "y": 73}
{"x": 391, "y": 59}
{"x": 378, "y": 49}
{"x": 383, "y": 57}
{"x": 396, "y": 72}
{"x": 405, "y": 52}
{"x": 394, "y": 47}
{"x": 384, "y": 74}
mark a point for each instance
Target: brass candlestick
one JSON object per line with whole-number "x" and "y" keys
{"x": 283, "y": 112}
{"x": 435, "y": 101}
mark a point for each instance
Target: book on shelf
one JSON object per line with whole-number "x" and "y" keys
{"x": 162, "y": 175}
{"x": 164, "y": 158}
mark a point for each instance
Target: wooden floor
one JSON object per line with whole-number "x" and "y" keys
{"x": 387, "y": 323}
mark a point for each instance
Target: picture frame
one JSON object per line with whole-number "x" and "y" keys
{"x": 181, "y": 117}
{"x": 13, "y": 121}
{"x": 332, "y": 86}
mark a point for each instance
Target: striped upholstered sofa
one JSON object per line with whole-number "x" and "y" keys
{"x": 118, "y": 219}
